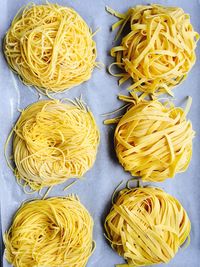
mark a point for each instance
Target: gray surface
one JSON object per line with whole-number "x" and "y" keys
{"x": 100, "y": 94}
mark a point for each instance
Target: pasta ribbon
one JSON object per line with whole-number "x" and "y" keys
{"x": 146, "y": 226}
{"x": 54, "y": 141}
{"x": 54, "y": 232}
{"x": 51, "y": 47}
{"x": 159, "y": 49}
{"x": 153, "y": 140}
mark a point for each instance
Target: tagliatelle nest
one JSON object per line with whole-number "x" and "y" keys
{"x": 54, "y": 141}
{"x": 51, "y": 47}
{"x": 53, "y": 232}
{"x": 146, "y": 226}
{"x": 159, "y": 49}
{"x": 153, "y": 140}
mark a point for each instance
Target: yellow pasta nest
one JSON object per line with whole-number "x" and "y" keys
{"x": 50, "y": 47}
{"x": 159, "y": 50}
{"x": 55, "y": 232}
{"x": 153, "y": 140}
{"x": 146, "y": 226}
{"x": 54, "y": 141}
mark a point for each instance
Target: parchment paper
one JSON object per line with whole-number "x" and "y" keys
{"x": 100, "y": 94}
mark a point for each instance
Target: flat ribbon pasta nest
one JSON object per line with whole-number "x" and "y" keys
{"x": 54, "y": 232}
{"x": 159, "y": 49}
{"x": 153, "y": 140}
{"x": 54, "y": 141}
{"x": 50, "y": 47}
{"x": 146, "y": 226}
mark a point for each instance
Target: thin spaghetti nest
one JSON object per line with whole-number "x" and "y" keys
{"x": 153, "y": 140}
{"x": 159, "y": 50}
{"x": 54, "y": 141}
{"x": 55, "y": 232}
{"x": 50, "y": 47}
{"x": 146, "y": 226}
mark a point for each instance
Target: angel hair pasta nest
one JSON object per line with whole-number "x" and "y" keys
{"x": 146, "y": 226}
{"x": 50, "y": 47}
{"x": 159, "y": 49}
{"x": 52, "y": 232}
{"x": 54, "y": 141}
{"x": 153, "y": 140}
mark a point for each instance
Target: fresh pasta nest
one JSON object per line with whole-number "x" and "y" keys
{"x": 51, "y": 47}
{"x": 153, "y": 140}
{"x": 54, "y": 141}
{"x": 52, "y": 232}
{"x": 146, "y": 226}
{"x": 159, "y": 50}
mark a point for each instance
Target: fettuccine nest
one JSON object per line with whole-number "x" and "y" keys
{"x": 51, "y": 47}
{"x": 159, "y": 49}
{"x": 153, "y": 140}
{"x": 146, "y": 226}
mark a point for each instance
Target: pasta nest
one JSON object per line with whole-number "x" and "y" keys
{"x": 54, "y": 232}
{"x": 146, "y": 226}
{"x": 153, "y": 140}
{"x": 50, "y": 47}
{"x": 54, "y": 141}
{"x": 159, "y": 49}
